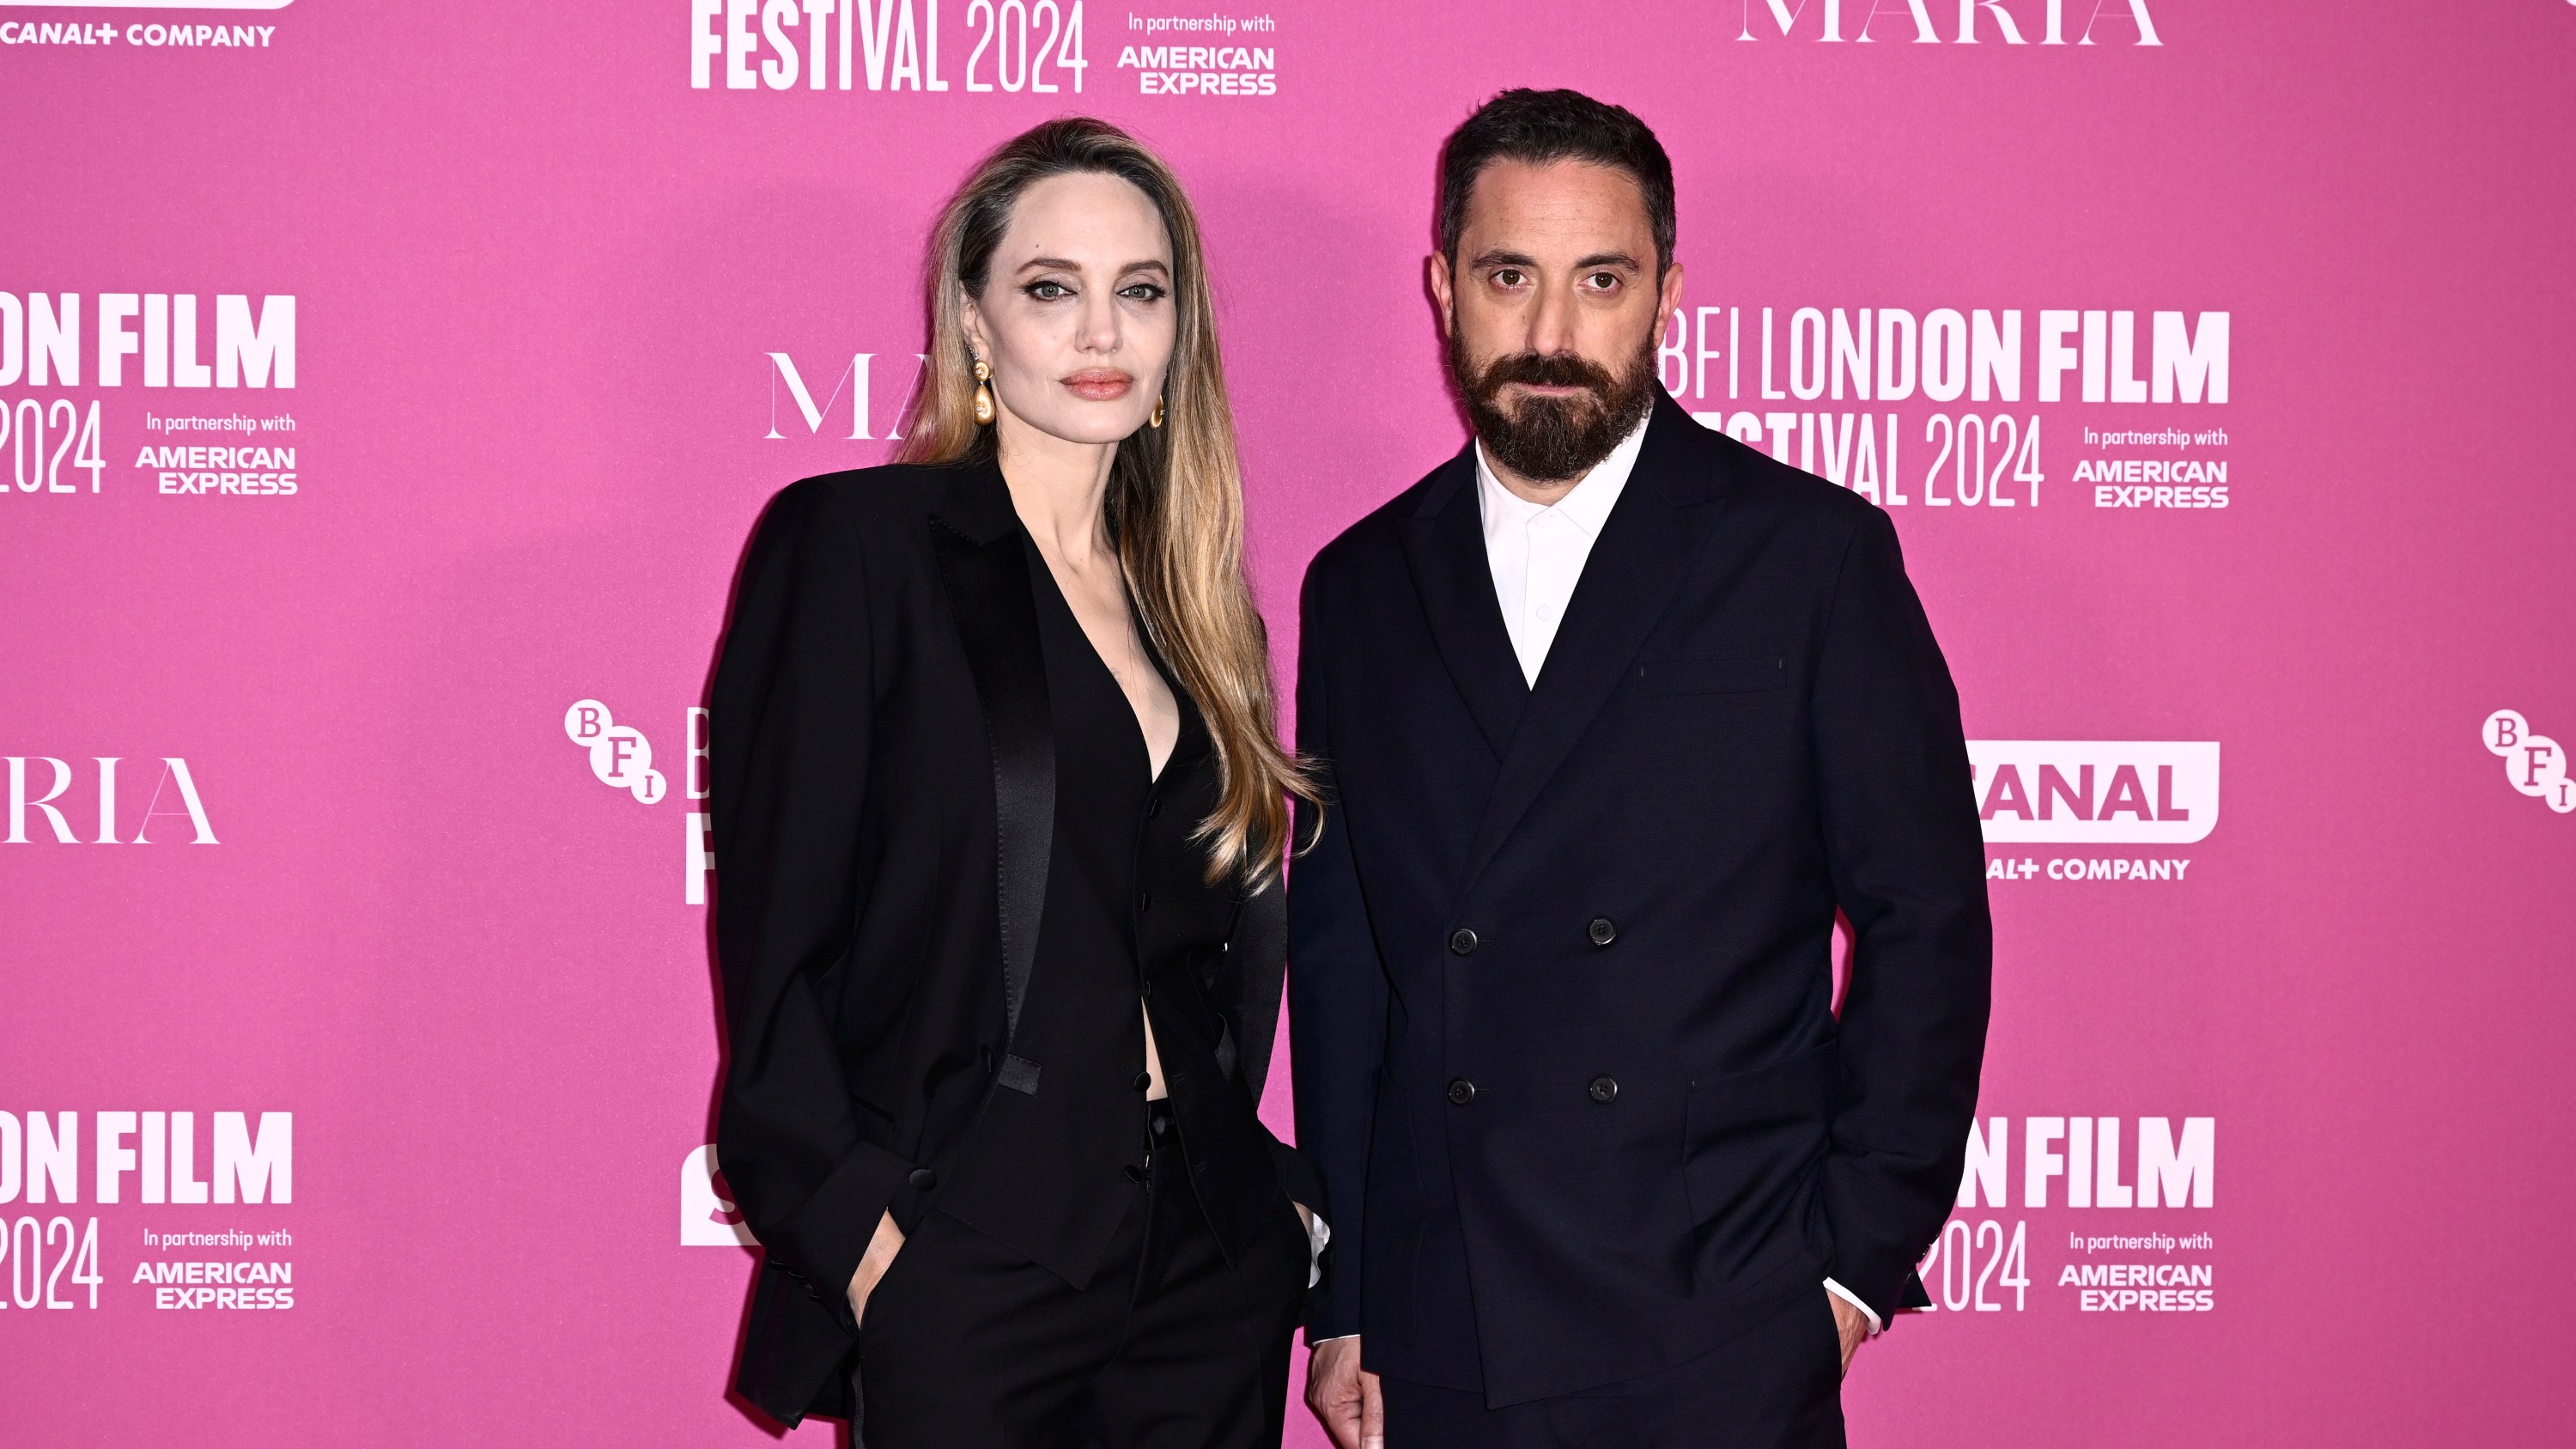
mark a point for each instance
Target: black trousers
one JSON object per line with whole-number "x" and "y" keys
{"x": 967, "y": 1345}
{"x": 1775, "y": 1386}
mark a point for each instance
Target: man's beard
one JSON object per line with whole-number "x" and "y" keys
{"x": 1554, "y": 439}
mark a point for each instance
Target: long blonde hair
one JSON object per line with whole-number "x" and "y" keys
{"x": 1175, "y": 495}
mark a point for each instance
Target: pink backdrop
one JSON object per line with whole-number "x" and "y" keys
{"x": 539, "y": 280}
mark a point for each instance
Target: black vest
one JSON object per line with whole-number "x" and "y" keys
{"x": 1129, "y": 916}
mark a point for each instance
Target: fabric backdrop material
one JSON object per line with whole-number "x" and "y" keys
{"x": 390, "y": 391}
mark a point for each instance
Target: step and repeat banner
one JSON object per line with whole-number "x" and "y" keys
{"x": 387, "y": 390}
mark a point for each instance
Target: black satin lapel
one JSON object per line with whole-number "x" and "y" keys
{"x": 1644, "y": 552}
{"x": 1445, "y": 546}
{"x": 997, "y": 619}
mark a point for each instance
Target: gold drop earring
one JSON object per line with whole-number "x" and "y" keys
{"x": 1156, "y": 420}
{"x": 984, "y": 394}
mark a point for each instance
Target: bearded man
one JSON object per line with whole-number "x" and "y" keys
{"x": 1614, "y": 715}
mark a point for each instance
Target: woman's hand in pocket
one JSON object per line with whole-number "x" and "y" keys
{"x": 873, "y": 1264}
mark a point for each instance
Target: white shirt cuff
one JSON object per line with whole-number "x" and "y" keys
{"x": 1318, "y": 1233}
{"x": 1846, "y": 1295}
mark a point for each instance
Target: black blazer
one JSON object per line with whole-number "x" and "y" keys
{"x": 883, "y": 803}
{"x": 1561, "y": 1002}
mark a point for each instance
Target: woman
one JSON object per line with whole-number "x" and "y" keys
{"x": 1000, "y": 810}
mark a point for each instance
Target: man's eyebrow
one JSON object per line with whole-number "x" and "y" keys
{"x": 1500, "y": 258}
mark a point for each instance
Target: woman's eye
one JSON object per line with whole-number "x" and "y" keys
{"x": 1141, "y": 292}
{"x": 1049, "y": 291}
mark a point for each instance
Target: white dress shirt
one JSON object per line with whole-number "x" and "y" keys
{"x": 1537, "y": 552}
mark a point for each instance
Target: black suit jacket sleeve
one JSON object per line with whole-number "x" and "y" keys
{"x": 1901, "y": 840}
{"x": 1337, "y": 1004}
{"x": 792, "y": 705}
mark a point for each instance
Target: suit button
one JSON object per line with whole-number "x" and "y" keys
{"x": 1462, "y": 941}
{"x": 923, "y": 1179}
{"x": 1602, "y": 931}
{"x": 1462, "y": 1091}
{"x": 1144, "y": 899}
{"x": 1134, "y": 1173}
{"x": 1604, "y": 1089}
{"x": 1153, "y": 805}
{"x": 1144, "y": 1081}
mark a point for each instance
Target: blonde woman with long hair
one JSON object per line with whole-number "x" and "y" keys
{"x": 1001, "y": 808}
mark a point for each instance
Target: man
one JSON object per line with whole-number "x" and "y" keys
{"x": 1615, "y": 714}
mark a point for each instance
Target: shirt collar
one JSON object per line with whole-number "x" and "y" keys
{"x": 1586, "y": 505}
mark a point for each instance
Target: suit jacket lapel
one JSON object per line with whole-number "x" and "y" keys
{"x": 1444, "y": 542}
{"x": 975, "y": 536}
{"x": 1644, "y": 551}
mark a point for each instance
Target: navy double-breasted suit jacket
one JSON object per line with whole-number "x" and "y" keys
{"x": 1566, "y": 1047}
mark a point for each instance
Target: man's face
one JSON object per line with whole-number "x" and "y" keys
{"x": 1552, "y": 311}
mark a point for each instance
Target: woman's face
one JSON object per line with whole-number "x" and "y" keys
{"x": 1076, "y": 317}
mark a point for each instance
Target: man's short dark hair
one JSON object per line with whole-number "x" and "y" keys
{"x": 1538, "y": 127}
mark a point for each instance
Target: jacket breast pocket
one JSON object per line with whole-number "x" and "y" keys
{"x": 1750, "y": 1142}
{"x": 1733, "y": 674}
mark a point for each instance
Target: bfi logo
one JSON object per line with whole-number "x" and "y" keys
{"x": 2534, "y": 764}
{"x": 622, "y": 759}
{"x": 2096, "y": 792}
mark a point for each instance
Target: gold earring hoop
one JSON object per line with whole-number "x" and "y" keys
{"x": 1156, "y": 420}
{"x": 983, "y": 393}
